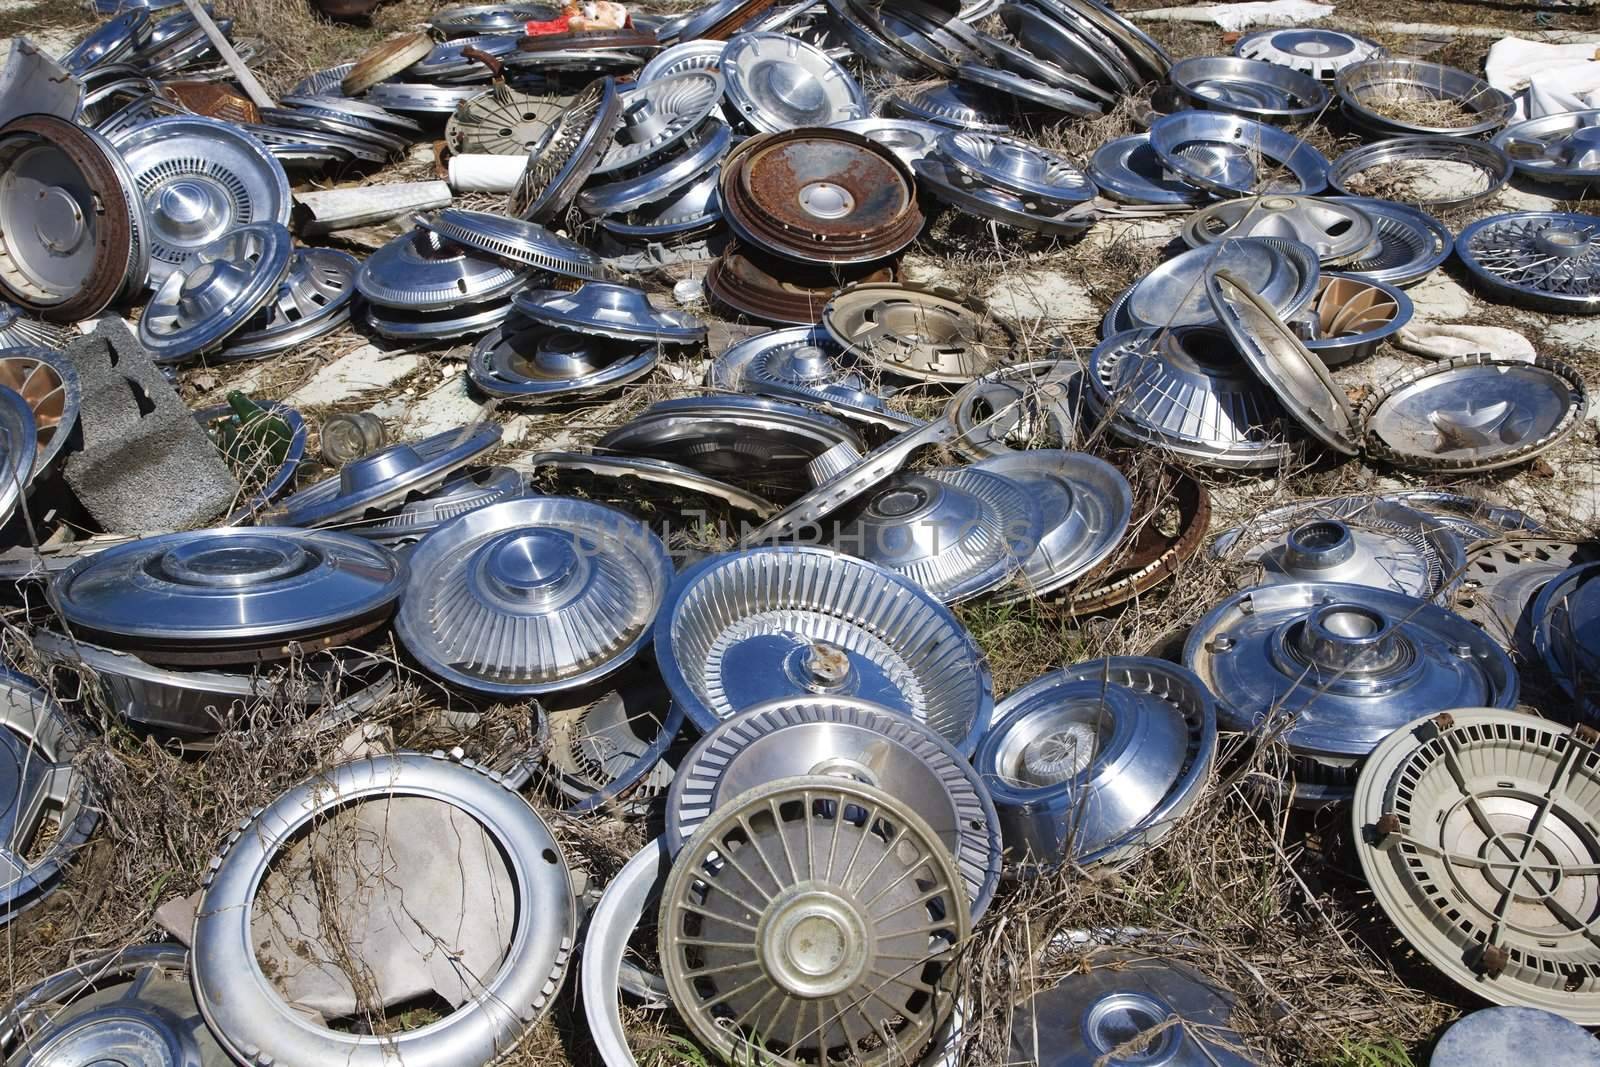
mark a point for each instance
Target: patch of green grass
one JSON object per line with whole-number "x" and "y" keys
{"x": 1391, "y": 1053}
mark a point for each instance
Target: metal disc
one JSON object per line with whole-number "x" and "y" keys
{"x": 956, "y": 105}
{"x": 248, "y": 593}
{"x": 1426, "y": 172}
{"x": 380, "y": 480}
{"x": 1027, "y": 91}
{"x": 1471, "y": 830}
{"x": 47, "y": 382}
{"x": 1249, "y": 87}
{"x": 671, "y": 186}
{"x": 1381, "y": 96}
{"x": 1492, "y": 1036}
{"x": 426, "y": 327}
{"x": 217, "y": 292}
{"x": 1315, "y": 51}
{"x": 868, "y": 911}
{"x": 424, "y": 271}
{"x": 244, "y": 1007}
{"x": 846, "y": 738}
{"x": 567, "y": 154}
{"x": 1128, "y": 169}
{"x": 956, "y": 532}
{"x": 605, "y": 309}
{"x": 682, "y": 58}
{"x": 1234, "y": 156}
{"x": 136, "y": 1001}
{"x": 1299, "y": 379}
{"x": 502, "y": 122}
{"x": 1474, "y": 413}
{"x": 692, "y": 208}
{"x": 1350, "y": 317}
{"x": 660, "y": 116}
{"x": 524, "y": 243}
{"x": 1548, "y": 260}
{"x": 1188, "y": 390}
{"x": 1410, "y": 243}
{"x": 460, "y": 20}
{"x": 578, "y": 583}
{"x": 1335, "y": 230}
{"x": 999, "y": 205}
{"x": 596, "y": 753}
{"x": 1357, "y": 540}
{"x": 909, "y": 139}
{"x": 50, "y": 808}
{"x": 1074, "y": 45}
{"x": 420, "y": 98}
{"x": 777, "y": 82}
{"x": 312, "y": 300}
{"x": 1083, "y": 768}
{"x": 1349, "y": 663}
{"x": 465, "y": 490}
{"x": 542, "y": 363}
{"x": 1501, "y": 580}
{"x": 635, "y": 473}
{"x": 910, "y": 331}
{"x": 806, "y": 365}
{"x": 385, "y": 61}
{"x": 1085, "y": 506}
{"x": 1013, "y": 164}
{"x": 1023, "y": 406}
{"x": 1172, "y": 511}
{"x": 766, "y": 623}
{"x": 1563, "y": 147}
{"x": 1563, "y": 622}
{"x": 1174, "y": 294}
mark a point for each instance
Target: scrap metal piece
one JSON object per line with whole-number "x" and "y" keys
{"x": 1230, "y": 155}
{"x": 637, "y": 473}
{"x": 1547, "y": 260}
{"x": 567, "y": 154}
{"x": 1173, "y": 295}
{"x": 465, "y": 490}
{"x": 1321, "y": 53}
{"x": 1398, "y": 97}
{"x": 1098, "y": 761}
{"x": 907, "y": 138}
{"x": 136, "y": 997}
{"x": 1350, "y": 317}
{"x": 1085, "y": 506}
{"x": 541, "y": 363}
{"x": 1172, "y": 512}
{"x": 203, "y": 302}
{"x": 503, "y": 121}
{"x": 50, "y": 810}
{"x": 777, "y": 82}
{"x": 1428, "y": 170}
{"x": 661, "y": 116}
{"x": 918, "y": 333}
{"x": 1410, "y": 242}
{"x": 848, "y": 738}
{"x": 1128, "y": 169}
{"x": 1498, "y": 1035}
{"x": 596, "y": 752}
{"x": 1502, "y": 578}
{"x": 524, "y": 243}
{"x": 746, "y": 627}
{"x": 230, "y": 595}
{"x": 605, "y": 309}
{"x": 536, "y": 934}
{"x": 820, "y": 196}
{"x": 312, "y": 300}
{"x": 1249, "y": 87}
{"x": 1335, "y": 230}
{"x": 1563, "y": 147}
{"x": 48, "y": 384}
{"x": 385, "y": 61}
{"x": 425, "y": 271}
{"x": 1563, "y": 622}
{"x": 767, "y": 289}
{"x": 381, "y": 480}
{"x": 806, "y": 365}
{"x": 579, "y": 581}
{"x": 1299, "y": 379}
{"x": 1337, "y": 668}
{"x": 1013, "y": 164}
{"x": 35, "y": 84}
{"x": 835, "y": 931}
{"x": 1474, "y": 413}
{"x": 1452, "y": 791}
{"x": 954, "y": 105}
{"x": 1000, "y": 205}
{"x": 1355, "y": 540}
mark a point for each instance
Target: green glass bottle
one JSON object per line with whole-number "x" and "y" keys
{"x": 258, "y": 436}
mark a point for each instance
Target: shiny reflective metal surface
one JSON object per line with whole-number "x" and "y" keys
{"x": 957, "y": 532}
{"x": 1012, "y": 164}
{"x": 245, "y": 1009}
{"x": 608, "y": 752}
{"x": 312, "y": 300}
{"x": 1088, "y": 1016}
{"x": 1085, "y": 506}
{"x": 567, "y": 154}
{"x": 216, "y": 292}
{"x": 580, "y": 582}
{"x": 1173, "y": 294}
{"x": 635, "y": 472}
{"x": 522, "y": 362}
{"x": 526, "y": 243}
{"x": 806, "y": 365}
{"x": 1434, "y": 809}
{"x": 1501, "y": 580}
{"x": 1562, "y": 147}
{"x": 380, "y": 480}
{"x": 954, "y": 105}
{"x": 1564, "y": 622}
{"x": 50, "y": 808}
{"x": 133, "y": 1003}
{"x": 1474, "y": 413}
{"x": 1222, "y": 413}
{"x": 767, "y": 623}
{"x": 47, "y": 383}
{"x": 661, "y": 115}
{"x": 424, "y": 271}
{"x": 1380, "y": 96}
{"x": 909, "y": 331}
{"x": 1299, "y": 379}
{"x": 846, "y": 738}
{"x": 1229, "y": 155}
{"x": 606, "y": 309}
{"x": 777, "y": 82}
{"x": 1096, "y": 761}
{"x": 1357, "y": 540}
{"x": 666, "y": 184}
{"x": 835, "y": 932}
{"x": 1128, "y": 169}
{"x": 1350, "y": 663}
{"x": 1432, "y": 173}
{"x": 1249, "y": 87}
{"x": 465, "y": 490}
{"x": 1023, "y": 406}
{"x": 997, "y": 204}
{"x": 1410, "y": 243}
{"x": 1335, "y": 230}
{"x": 1350, "y": 317}
{"x": 1548, "y": 260}
{"x": 229, "y": 593}
{"x": 909, "y": 139}
{"x": 1321, "y": 53}
{"x": 200, "y": 179}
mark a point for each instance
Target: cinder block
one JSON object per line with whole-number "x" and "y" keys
{"x": 145, "y": 466}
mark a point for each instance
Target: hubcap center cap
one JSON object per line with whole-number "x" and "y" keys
{"x": 58, "y": 221}
{"x": 814, "y": 942}
{"x": 827, "y": 200}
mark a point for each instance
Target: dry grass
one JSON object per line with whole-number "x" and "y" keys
{"x": 1262, "y": 899}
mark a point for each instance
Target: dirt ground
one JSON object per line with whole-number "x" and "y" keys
{"x": 1267, "y": 902}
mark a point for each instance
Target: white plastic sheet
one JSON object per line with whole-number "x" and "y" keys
{"x": 1545, "y": 79}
